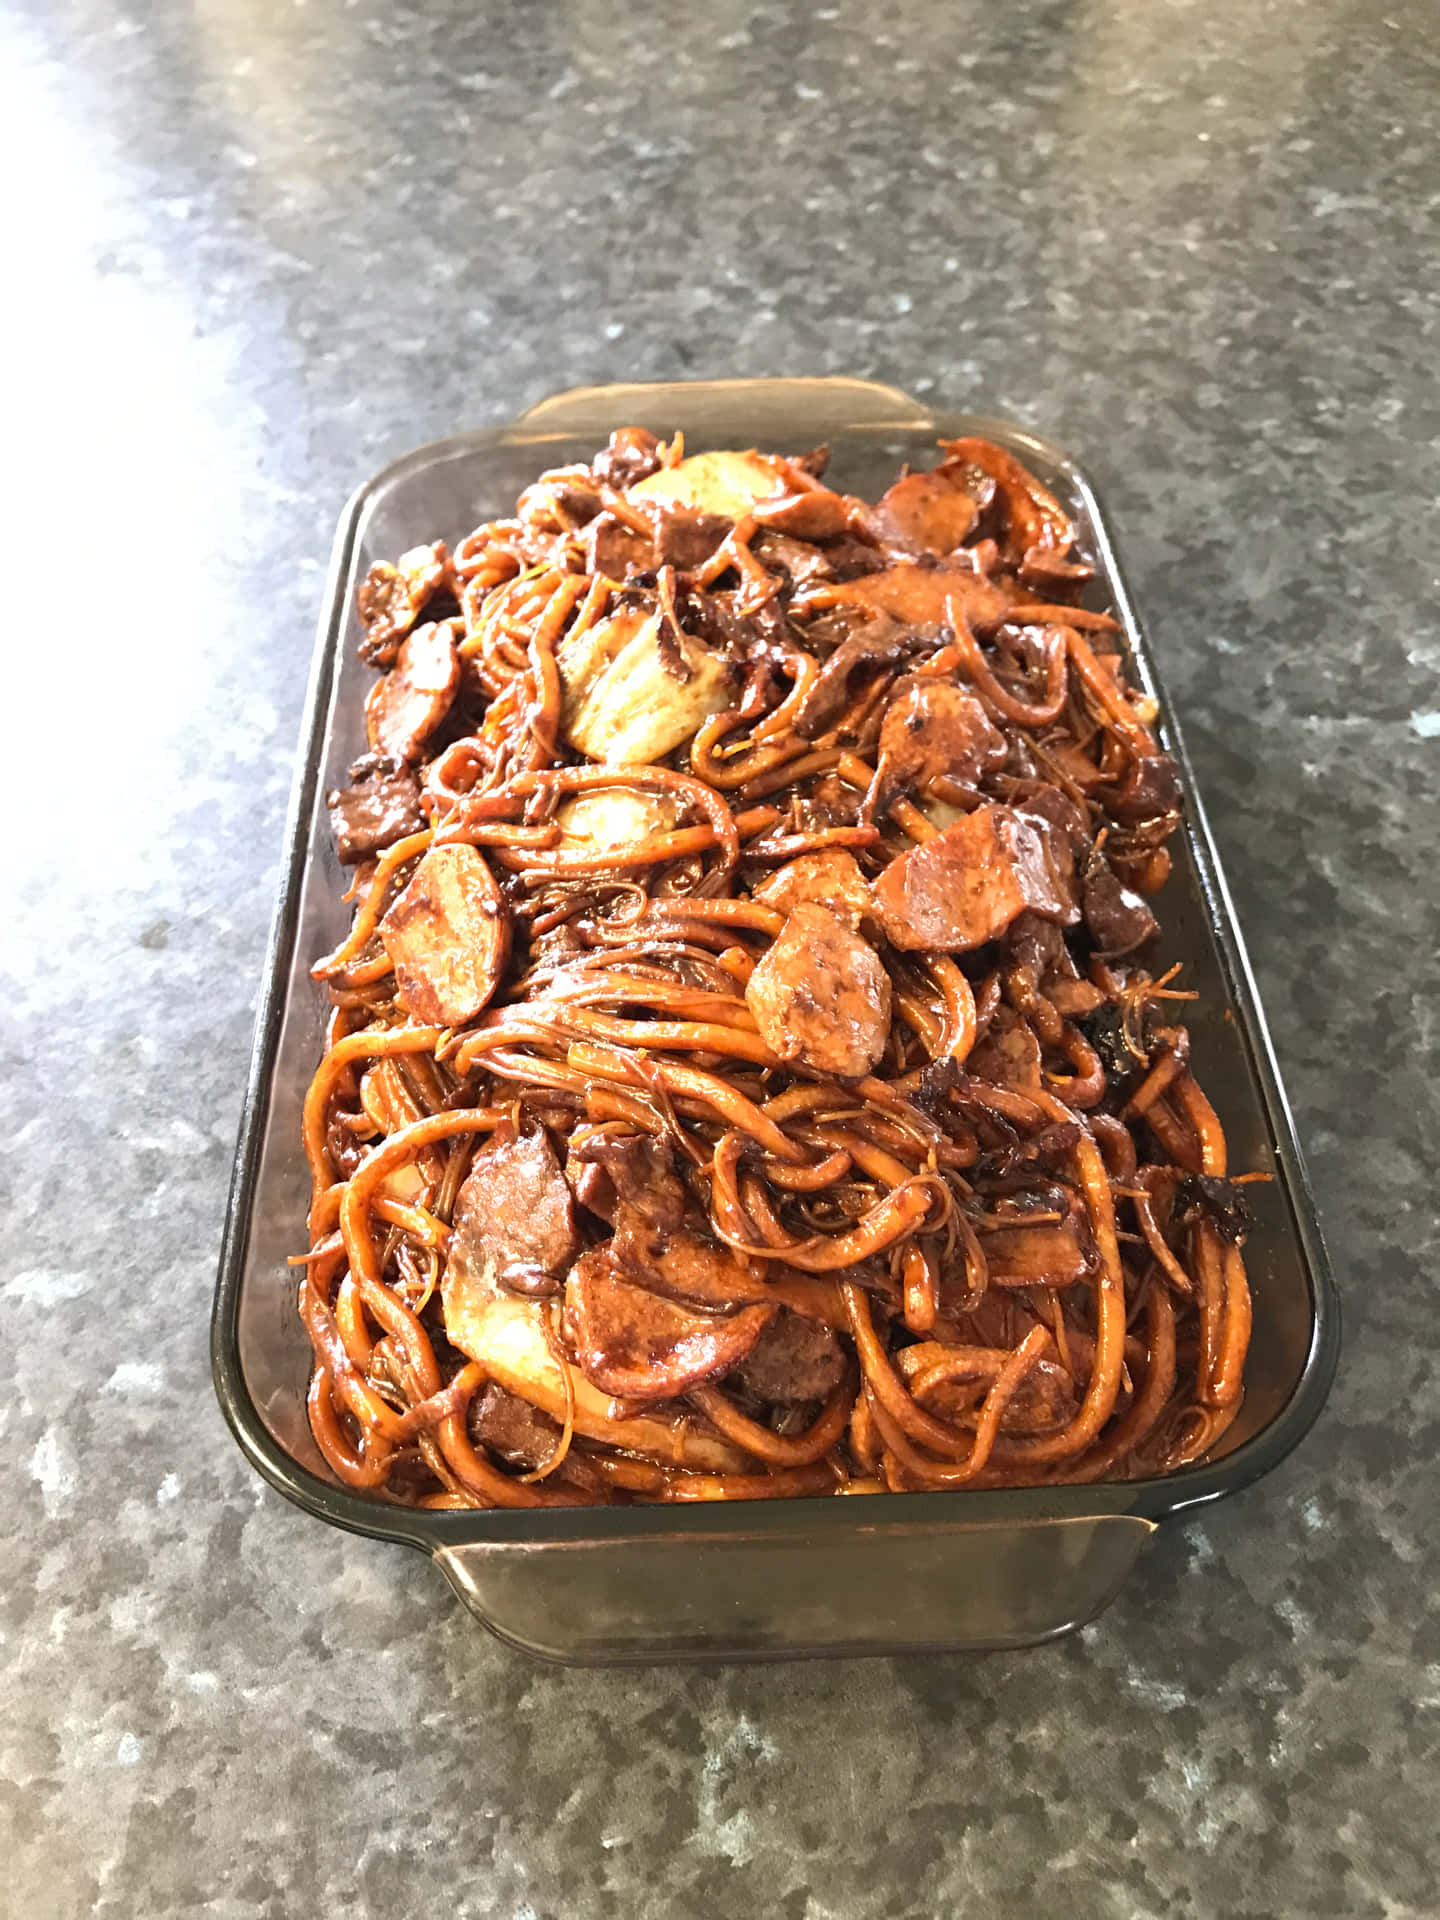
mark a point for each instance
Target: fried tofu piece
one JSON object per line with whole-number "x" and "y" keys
{"x": 622, "y": 704}
{"x": 727, "y": 483}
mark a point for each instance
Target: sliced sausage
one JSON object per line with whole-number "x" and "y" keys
{"x": 405, "y": 707}
{"x": 448, "y": 937}
{"x": 830, "y": 879}
{"x": 683, "y": 1265}
{"x": 632, "y": 1344}
{"x": 931, "y": 511}
{"x": 821, "y": 997}
{"x": 933, "y": 727}
{"x": 510, "y": 1339}
{"x": 920, "y": 596}
{"x": 966, "y": 885}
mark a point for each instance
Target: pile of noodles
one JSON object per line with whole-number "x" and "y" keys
{"x": 1037, "y": 1082}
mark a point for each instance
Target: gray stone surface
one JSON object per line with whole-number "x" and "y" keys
{"x": 257, "y": 248}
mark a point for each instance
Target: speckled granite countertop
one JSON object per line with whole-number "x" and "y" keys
{"x": 266, "y": 247}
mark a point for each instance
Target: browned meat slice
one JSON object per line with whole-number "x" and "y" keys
{"x": 1117, "y": 917}
{"x": 405, "y": 707}
{"x": 1035, "y": 943}
{"x": 631, "y": 1343}
{"x": 1074, "y": 998}
{"x": 831, "y": 879}
{"x": 632, "y": 454}
{"x": 391, "y": 599}
{"x": 802, "y": 563}
{"x": 1055, "y": 805}
{"x": 876, "y": 641}
{"x": 819, "y": 515}
{"x": 614, "y": 549}
{"x": 515, "y": 1218}
{"x": 679, "y": 536}
{"x": 346, "y": 1147}
{"x": 929, "y": 511}
{"x": 448, "y": 937}
{"x": 1009, "y": 1054}
{"x": 821, "y": 997}
{"x": 1150, "y": 790}
{"x": 796, "y": 1359}
{"x": 379, "y": 809}
{"x": 511, "y": 1427}
{"x": 932, "y": 726}
{"x": 966, "y": 885}
{"x": 685, "y": 537}
{"x": 849, "y": 558}
{"x": 1059, "y": 855}
{"x": 577, "y": 503}
{"x": 629, "y": 1171}
{"x": 1051, "y": 1255}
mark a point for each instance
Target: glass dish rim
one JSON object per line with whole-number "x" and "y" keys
{"x": 431, "y": 1531}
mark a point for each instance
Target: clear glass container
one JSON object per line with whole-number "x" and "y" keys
{"x": 758, "y": 1579}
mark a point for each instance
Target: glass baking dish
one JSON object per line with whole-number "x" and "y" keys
{"x": 761, "y": 1579}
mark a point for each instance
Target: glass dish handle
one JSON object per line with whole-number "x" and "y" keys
{"x": 795, "y": 1590}
{"x": 809, "y": 407}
